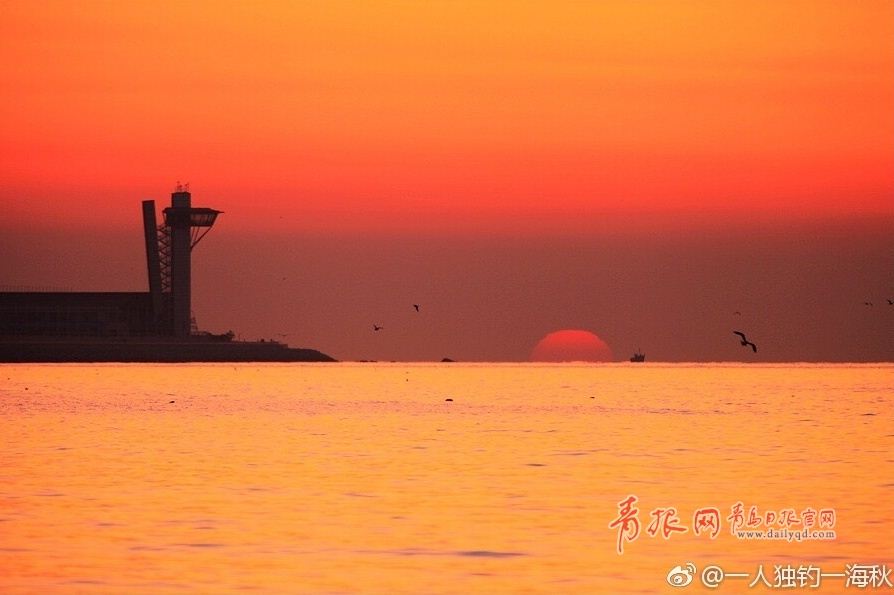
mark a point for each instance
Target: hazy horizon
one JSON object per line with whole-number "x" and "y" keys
{"x": 800, "y": 296}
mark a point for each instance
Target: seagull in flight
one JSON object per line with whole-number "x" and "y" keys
{"x": 417, "y": 306}
{"x": 745, "y": 341}
{"x": 891, "y": 302}
{"x": 868, "y": 303}
{"x": 376, "y": 327}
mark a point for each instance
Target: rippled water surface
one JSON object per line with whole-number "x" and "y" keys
{"x": 412, "y": 478}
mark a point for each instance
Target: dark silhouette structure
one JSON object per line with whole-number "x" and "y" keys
{"x": 76, "y": 314}
{"x": 133, "y": 326}
{"x": 169, "y": 259}
{"x": 165, "y": 311}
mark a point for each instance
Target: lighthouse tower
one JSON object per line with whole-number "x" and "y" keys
{"x": 169, "y": 258}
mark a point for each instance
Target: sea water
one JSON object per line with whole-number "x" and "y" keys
{"x": 445, "y": 478}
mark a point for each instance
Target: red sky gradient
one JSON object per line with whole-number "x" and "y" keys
{"x": 478, "y": 115}
{"x": 624, "y": 140}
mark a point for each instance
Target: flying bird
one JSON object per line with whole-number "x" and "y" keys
{"x": 891, "y": 302}
{"x": 737, "y": 313}
{"x": 745, "y": 341}
{"x": 376, "y": 327}
{"x": 416, "y": 306}
{"x": 867, "y": 303}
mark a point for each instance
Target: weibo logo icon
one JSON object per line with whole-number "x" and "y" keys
{"x": 681, "y": 576}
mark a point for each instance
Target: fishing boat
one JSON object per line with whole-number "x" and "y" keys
{"x": 638, "y": 356}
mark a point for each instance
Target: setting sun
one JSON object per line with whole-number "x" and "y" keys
{"x": 571, "y": 346}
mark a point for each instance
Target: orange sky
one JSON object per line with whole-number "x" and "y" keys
{"x": 422, "y": 116}
{"x": 639, "y": 170}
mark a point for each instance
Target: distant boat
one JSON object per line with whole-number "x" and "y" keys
{"x": 639, "y": 356}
